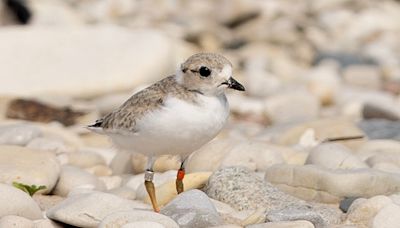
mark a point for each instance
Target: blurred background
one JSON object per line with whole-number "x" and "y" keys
{"x": 71, "y": 61}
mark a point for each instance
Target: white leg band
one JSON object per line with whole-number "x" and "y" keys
{"x": 148, "y": 175}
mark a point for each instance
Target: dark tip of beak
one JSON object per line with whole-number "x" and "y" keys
{"x": 233, "y": 84}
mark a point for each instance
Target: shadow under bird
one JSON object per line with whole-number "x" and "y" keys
{"x": 176, "y": 115}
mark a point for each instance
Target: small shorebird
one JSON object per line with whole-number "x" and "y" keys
{"x": 176, "y": 115}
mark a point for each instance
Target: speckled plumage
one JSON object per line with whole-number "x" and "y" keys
{"x": 147, "y": 100}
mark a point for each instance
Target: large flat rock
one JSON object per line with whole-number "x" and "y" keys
{"x": 81, "y": 61}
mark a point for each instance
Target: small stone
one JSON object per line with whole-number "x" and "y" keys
{"x": 47, "y": 201}
{"x": 362, "y": 210}
{"x": 254, "y": 155}
{"x": 208, "y": 157}
{"x": 46, "y": 223}
{"x": 36, "y": 111}
{"x": 385, "y": 148}
{"x": 73, "y": 177}
{"x": 366, "y": 76}
{"x": 243, "y": 190}
{"x": 324, "y": 83}
{"x": 162, "y": 163}
{"x": 227, "y": 226}
{"x": 55, "y": 145}
{"x": 18, "y": 134}
{"x": 15, "y": 221}
{"x": 85, "y": 159}
{"x": 284, "y": 224}
{"x": 231, "y": 185}
{"x": 334, "y": 156}
{"x": 296, "y": 214}
{"x": 28, "y": 166}
{"x": 344, "y": 59}
{"x": 330, "y": 186}
{"x": 279, "y": 107}
{"x": 143, "y": 224}
{"x": 381, "y": 129}
{"x": 16, "y": 202}
{"x": 138, "y": 219}
{"x": 123, "y": 192}
{"x": 388, "y": 217}
{"x": 121, "y": 163}
{"x": 192, "y": 209}
{"x": 111, "y": 181}
{"x": 88, "y": 210}
{"x": 324, "y": 129}
{"x": 100, "y": 170}
{"x": 346, "y": 203}
{"x": 381, "y": 111}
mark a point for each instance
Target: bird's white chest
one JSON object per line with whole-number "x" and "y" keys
{"x": 181, "y": 126}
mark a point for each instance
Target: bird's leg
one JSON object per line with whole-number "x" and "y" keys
{"x": 148, "y": 183}
{"x": 179, "y": 178}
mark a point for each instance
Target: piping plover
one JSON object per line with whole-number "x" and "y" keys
{"x": 175, "y": 116}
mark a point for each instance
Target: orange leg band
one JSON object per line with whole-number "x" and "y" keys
{"x": 181, "y": 174}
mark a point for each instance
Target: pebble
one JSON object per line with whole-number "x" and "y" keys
{"x": 285, "y": 224}
{"x": 28, "y": 166}
{"x": 46, "y": 223}
{"x": 381, "y": 110}
{"x": 161, "y": 164}
{"x": 85, "y": 159}
{"x": 382, "y": 147}
{"x": 296, "y": 214}
{"x": 111, "y": 182}
{"x": 123, "y": 192}
{"x": 72, "y": 177}
{"x": 365, "y": 76}
{"x": 15, "y": 221}
{"x": 324, "y": 129}
{"x": 388, "y": 217}
{"x": 208, "y": 157}
{"x": 192, "y": 209}
{"x": 254, "y": 155}
{"x": 22, "y": 204}
{"x": 318, "y": 184}
{"x": 137, "y": 218}
{"x": 362, "y": 210}
{"x": 55, "y": 145}
{"x": 88, "y": 210}
{"x": 334, "y": 156}
{"x": 121, "y": 163}
{"x": 381, "y": 129}
{"x": 240, "y": 188}
{"x": 100, "y": 170}
{"x": 324, "y": 82}
{"x": 346, "y": 203}
{"x": 279, "y": 107}
{"x": 18, "y": 134}
{"x": 47, "y": 201}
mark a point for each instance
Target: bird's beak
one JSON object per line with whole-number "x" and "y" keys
{"x": 233, "y": 84}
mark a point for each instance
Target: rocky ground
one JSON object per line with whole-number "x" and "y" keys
{"x": 315, "y": 72}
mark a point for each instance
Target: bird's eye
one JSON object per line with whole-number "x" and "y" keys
{"x": 204, "y": 71}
